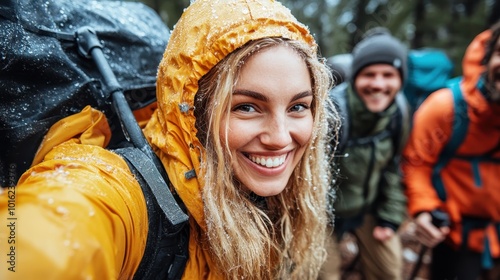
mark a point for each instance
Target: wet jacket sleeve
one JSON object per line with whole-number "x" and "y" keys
{"x": 431, "y": 130}
{"x": 78, "y": 214}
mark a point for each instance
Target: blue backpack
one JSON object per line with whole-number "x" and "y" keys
{"x": 428, "y": 70}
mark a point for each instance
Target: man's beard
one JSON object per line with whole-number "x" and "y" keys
{"x": 492, "y": 88}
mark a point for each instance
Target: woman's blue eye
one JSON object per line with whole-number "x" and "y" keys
{"x": 244, "y": 108}
{"x": 299, "y": 107}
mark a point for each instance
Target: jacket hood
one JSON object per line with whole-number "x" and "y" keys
{"x": 483, "y": 111}
{"x": 472, "y": 61}
{"x": 206, "y": 33}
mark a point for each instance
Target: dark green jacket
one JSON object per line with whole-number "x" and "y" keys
{"x": 370, "y": 180}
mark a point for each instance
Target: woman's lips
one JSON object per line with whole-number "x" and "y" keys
{"x": 268, "y": 161}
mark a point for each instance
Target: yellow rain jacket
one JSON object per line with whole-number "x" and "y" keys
{"x": 78, "y": 213}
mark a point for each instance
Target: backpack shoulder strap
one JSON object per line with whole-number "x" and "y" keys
{"x": 460, "y": 119}
{"x": 459, "y": 131}
{"x": 166, "y": 251}
{"x": 156, "y": 184}
{"x": 339, "y": 97}
{"x": 402, "y": 120}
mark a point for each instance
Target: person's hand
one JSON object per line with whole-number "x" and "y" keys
{"x": 427, "y": 233}
{"x": 382, "y": 233}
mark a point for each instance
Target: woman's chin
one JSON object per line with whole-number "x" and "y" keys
{"x": 267, "y": 191}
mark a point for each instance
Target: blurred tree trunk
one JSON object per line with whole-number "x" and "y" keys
{"x": 494, "y": 13}
{"x": 170, "y": 11}
{"x": 360, "y": 21}
{"x": 470, "y": 6}
{"x": 417, "y": 41}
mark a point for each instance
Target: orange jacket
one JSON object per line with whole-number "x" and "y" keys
{"x": 432, "y": 130}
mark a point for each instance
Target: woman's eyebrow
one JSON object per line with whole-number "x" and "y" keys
{"x": 302, "y": 95}
{"x": 262, "y": 97}
{"x": 251, "y": 94}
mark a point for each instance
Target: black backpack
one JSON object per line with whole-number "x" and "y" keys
{"x": 59, "y": 56}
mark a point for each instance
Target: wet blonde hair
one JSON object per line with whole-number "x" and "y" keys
{"x": 278, "y": 237}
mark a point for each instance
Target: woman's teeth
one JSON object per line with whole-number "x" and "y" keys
{"x": 268, "y": 161}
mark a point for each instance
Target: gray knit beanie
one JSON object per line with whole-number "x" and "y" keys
{"x": 379, "y": 46}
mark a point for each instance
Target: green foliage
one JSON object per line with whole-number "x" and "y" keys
{"x": 170, "y": 11}
{"x": 338, "y": 24}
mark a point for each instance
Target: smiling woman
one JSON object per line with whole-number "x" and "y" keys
{"x": 261, "y": 116}
{"x": 270, "y": 122}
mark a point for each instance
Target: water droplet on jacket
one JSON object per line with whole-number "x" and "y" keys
{"x": 62, "y": 210}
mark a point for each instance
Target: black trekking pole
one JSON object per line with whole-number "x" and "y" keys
{"x": 439, "y": 219}
{"x": 90, "y": 47}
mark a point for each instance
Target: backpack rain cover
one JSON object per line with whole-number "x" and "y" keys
{"x": 43, "y": 78}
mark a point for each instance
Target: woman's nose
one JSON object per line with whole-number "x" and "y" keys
{"x": 276, "y": 133}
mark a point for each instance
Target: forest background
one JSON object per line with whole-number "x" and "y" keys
{"x": 338, "y": 25}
